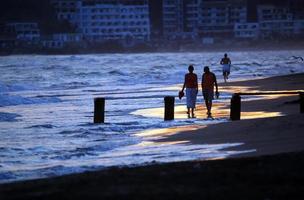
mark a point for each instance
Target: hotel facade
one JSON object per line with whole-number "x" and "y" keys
{"x": 100, "y": 20}
{"x": 180, "y": 18}
{"x": 219, "y": 17}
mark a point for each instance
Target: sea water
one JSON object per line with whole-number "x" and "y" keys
{"x": 46, "y": 108}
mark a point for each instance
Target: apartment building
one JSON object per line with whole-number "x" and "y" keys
{"x": 27, "y": 31}
{"x": 115, "y": 20}
{"x": 67, "y": 37}
{"x": 275, "y": 21}
{"x": 100, "y": 20}
{"x": 217, "y": 17}
{"x": 67, "y": 10}
{"x": 246, "y": 30}
{"x": 180, "y": 18}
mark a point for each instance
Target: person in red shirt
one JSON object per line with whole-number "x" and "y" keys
{"x": 208, "y": 83}
{"x": 191, "y": 86}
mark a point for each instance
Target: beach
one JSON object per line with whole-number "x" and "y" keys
{"x": 272, "y": 168}
{"x": 270, "y": 135}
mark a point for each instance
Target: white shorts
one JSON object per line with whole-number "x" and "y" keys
{"x": 226, "y": 68}
{"x": 191, "y": 94}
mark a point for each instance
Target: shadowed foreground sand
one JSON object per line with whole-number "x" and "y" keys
{"x": 268, "y": 173}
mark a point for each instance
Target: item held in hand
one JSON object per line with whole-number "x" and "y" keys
{"x": 217, "y": 94}
{"x": 181, "y": 94}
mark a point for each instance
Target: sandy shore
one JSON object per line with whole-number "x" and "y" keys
{"x": 271, "y": 135}
{"x": 273, "y": 171}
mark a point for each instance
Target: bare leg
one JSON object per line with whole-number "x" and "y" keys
{"x": 192, "y": 112}
{"x": 207, "y": 106}
{"x": 209, "y": 111}
{"x": 210, "y": 106}
{"x": 188, "y": 112}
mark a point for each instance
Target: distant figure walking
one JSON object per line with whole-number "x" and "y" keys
{"x": 191, "y": 86}
{"x": 226, "y": 63}
{"x": 208, "y": 83}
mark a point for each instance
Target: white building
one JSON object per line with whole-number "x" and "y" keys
{"x": 67, "y": 9}
{"x": 67, "y": 37}
{"x": 52, "y": 44}
{"x": 115, "y": 20}
{"x": 275, "y": 21}
{"x": 220, "y": 16}
{"x": 246, "y": 30}
{"x": 180, "y": 18}
{"x": 24, "y": 30}
{"x": 172, "y": 17}
{"x": 100, "y": 20}
{"x": 60, "y": 40}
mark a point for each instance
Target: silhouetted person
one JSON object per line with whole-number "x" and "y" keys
{"x": 226, "y": 63}
{"x": 191, "y": 86}
{"x": 208, "y": 83}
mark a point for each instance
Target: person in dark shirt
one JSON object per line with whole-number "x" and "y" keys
{"x": 208, "y": 83}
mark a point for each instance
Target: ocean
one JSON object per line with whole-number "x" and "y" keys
{"x": 47, "y": 102}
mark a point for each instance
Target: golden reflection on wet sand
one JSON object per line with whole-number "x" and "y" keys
{"x": 260, "y": 114}
{"x": 237, "y": 89}
{"x": 167, "y": 131}
{"x": 152, "y": 143}
{"x": 219, "y": 110}
{"x": 245, "y": 89}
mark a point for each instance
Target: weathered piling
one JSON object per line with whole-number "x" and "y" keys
{"x": 99, "y": 109}
{"x": 169, "y": 108}
{"x": 301, "y": 94}
{"x": 235, "y": 107}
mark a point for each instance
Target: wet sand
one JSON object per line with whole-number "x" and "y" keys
{"x": 270, "y": 135}
{"x": 274, "y": 171}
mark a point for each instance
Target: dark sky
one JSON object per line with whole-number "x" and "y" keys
{"x": 25, "y": 9}
{"x": 33, "y": 11}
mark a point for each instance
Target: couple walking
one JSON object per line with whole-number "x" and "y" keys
{"x": 191, "y": 85}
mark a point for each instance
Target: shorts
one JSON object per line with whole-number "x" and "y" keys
{"x": 191, "y": 94}
{"x": 208, "y": 94}
{"x": 226, "y": 69}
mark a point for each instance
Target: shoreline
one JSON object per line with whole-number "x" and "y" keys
{"x": 280, "y": 131}
{"x": 274, "y": 171}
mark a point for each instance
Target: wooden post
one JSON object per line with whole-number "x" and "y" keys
{"x": 169, "y": 108}
{"x": 235, "y": 107}
{"x": 99, "y": 108}
{"x": 301, "y": 94}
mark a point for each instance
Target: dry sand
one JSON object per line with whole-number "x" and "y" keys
{"x": 278, "y": 176}
{"x": 265, "y": 135}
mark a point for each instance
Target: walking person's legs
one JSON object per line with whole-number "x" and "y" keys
{"x": 188, "y": 112}
{"x": 192, "y": 113}
{"x": 210, "y": 106}
{"x": 208, "y": 96}
{"x": 207, "y": 106}
{"x": 191, "y": 101}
